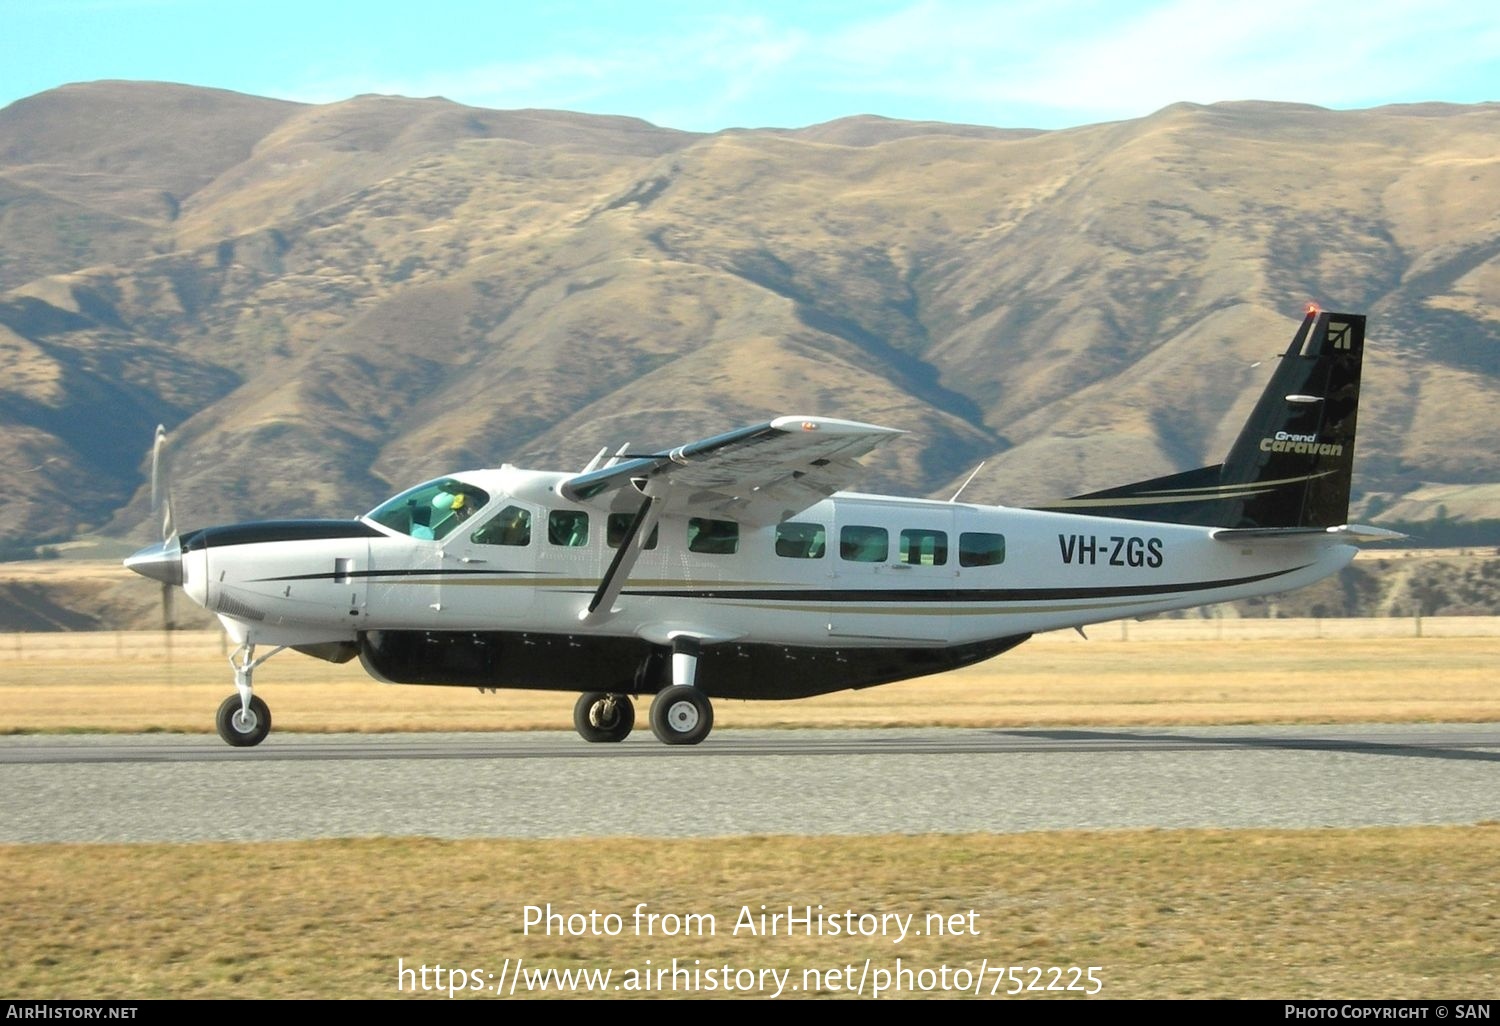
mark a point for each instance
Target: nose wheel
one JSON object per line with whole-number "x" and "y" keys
{"x": 241, "y": 727}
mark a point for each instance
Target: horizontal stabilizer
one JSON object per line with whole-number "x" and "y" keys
{"x": 1356, "y": 533}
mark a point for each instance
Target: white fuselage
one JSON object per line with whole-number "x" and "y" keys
{"x": 948, "y": 574}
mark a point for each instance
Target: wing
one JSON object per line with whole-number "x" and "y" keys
{"x": 757, "y": 475}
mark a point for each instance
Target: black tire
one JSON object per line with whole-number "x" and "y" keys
{"x": 602, "y": 717}
{"x": 230, "y": 725}
{"x": 681, "y": 715}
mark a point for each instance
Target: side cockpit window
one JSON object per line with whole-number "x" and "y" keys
{"x": 511, "y": 526}
{"x": 430, "y": 511}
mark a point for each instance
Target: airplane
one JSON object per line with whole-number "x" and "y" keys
{"x": 737, "y": 567}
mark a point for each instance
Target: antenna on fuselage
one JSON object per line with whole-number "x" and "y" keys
{"x": 967, "y": 480}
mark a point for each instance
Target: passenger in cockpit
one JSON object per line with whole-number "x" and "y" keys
{"x": 449, "y": 509}
{"x": 462, "y": 507}
{"x": 450, "y": 506}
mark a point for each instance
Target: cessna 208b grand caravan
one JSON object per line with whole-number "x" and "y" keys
{"x": 734, "y": 567}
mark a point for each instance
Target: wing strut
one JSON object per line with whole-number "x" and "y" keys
{"x": 625, "y": 556}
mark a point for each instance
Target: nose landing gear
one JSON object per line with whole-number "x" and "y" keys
{"x": 244, "y": 719}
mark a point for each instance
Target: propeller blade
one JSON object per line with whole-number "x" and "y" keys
{"x": 161, "y": 485}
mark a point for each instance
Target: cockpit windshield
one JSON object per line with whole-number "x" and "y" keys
{"x": 432, "y": 510}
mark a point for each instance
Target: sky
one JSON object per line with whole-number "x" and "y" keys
{"x": 708, "y": 65}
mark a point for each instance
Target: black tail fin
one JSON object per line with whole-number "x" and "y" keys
{"x": 1292, "y": 463}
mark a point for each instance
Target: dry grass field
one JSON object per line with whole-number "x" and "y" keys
{"x": 1335, "y": 914}
{"x": 1378, "y": 913}
{"x": 133, "y": 682}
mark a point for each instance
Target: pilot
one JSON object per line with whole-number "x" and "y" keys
{"x": 513, "y": 527}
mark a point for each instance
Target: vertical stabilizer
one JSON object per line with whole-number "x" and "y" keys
{"x": 1293, "y": 462}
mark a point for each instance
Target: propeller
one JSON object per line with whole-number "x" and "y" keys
{"x": 162, "y": 561}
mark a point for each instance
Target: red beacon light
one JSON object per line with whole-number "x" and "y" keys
{"x": 1311, "y": 310}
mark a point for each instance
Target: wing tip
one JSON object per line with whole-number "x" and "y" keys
{"x": 832, "y": 426}
{"x": 1370, "y": 533}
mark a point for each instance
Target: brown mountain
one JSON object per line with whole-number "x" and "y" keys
{"x": 329, "y": 302}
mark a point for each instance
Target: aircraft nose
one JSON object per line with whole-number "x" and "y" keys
{"x": 160, "y": 562}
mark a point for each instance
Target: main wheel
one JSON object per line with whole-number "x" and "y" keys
{"x": 603, "y": 717}
{"x": 681, "y": 715}
{"x": 240, "y": 729}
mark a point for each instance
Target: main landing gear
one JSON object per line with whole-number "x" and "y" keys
{"x": 603, "y": 717}
{"x": 244, "y": 719}
{"x": 680, "y": 714}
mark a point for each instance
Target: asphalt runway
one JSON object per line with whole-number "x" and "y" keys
{"x": 110, "y": 788}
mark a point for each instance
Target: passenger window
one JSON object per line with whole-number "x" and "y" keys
{"x": 864, "y": 544}
{"x": 976, "y": 548}
{"x": 801, "y": 541}
{"x": 616, "y": 526}
{"x": 569, "y": 527}
{"x": 511, "y": 526}
{"x": 924, "y": 548}
{"x": 715, "y": 537}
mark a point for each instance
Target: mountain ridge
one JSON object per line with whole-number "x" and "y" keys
{"x": 329, "y": 302}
